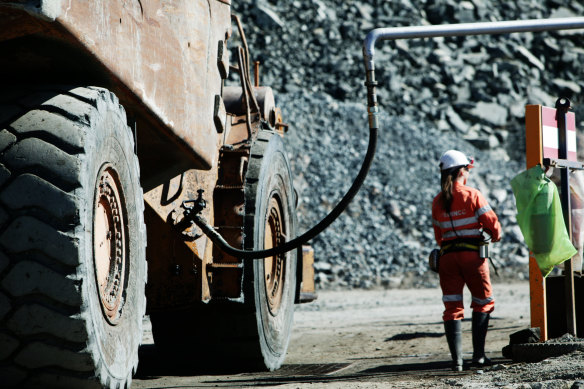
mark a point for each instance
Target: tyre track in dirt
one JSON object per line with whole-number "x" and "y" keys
{"x": 360, "y": 339}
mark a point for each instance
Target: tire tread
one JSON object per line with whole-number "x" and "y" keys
{"x": 41, "y": 143}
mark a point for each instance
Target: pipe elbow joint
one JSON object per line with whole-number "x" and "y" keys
{"x": 369, "y": 48}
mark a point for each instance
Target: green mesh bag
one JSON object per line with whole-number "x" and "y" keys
{"x": 540, "y": 218}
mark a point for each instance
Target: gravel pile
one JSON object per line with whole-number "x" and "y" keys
{"x": 563, "y": 372}
{"x": 435, "y": 94}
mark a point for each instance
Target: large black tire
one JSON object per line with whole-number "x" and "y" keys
{"x": 269, "y": 191}
{"x": 70, "y": 200}
{"x": 252, "y": 334}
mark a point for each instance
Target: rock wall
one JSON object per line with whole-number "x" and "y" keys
{"x": 467, "y": 93}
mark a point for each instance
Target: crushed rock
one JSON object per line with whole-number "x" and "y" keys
{"x": 552, "y": 373}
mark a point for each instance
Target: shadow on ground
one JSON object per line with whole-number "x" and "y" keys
{"x": 153, "y": 365}
{"x": 415, "y": 335}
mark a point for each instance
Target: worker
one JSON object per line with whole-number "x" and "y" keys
{"x": 460, "y": 215}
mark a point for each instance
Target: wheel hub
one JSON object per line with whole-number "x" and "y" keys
{"x": 274, "y": 267}
{"x": 110, "y": 246}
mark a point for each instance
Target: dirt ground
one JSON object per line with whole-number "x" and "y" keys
{"x": 383, "y": 339}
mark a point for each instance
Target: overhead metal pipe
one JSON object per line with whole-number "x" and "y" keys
{"x": 484, "y": 28}
{"x": 443, "y": 30}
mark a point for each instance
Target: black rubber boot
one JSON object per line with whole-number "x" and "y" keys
{"x": 453, "y": 330}
{"x": 480, "y": 325}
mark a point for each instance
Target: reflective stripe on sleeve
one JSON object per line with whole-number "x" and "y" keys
{"x": 436, "y": 223}
{"x": 483, "y": 210}
{"x": 482, "y": 301}
{"x": 451, "y": 297}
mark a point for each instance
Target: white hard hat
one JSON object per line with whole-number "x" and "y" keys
{"x": 454, "y": 158}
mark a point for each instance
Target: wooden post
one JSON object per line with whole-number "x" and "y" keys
{"x": 533, "y": 157}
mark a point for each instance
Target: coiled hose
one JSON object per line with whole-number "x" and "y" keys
{"x": 218, "y": 240}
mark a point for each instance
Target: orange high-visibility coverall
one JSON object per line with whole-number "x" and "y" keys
{"x": 469, "y": 212}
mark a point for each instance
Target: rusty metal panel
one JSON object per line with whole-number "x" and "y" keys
{"x": 238, "y": 131}
{"x": 226, "y": 281}
{"x": 174, "y": 269}
{"x": 220, "y": 274}
{"x": 228, "y": 203}
{"x": 307, "y": 270}
{"x": 164, "y": 52}
{"x": 168, "y": 285}
{"x": 307, "y": 287}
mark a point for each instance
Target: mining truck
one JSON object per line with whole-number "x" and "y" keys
{"x": 119, "y": 126}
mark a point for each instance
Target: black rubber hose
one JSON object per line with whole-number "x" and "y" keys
{"x": 218, "y": 240}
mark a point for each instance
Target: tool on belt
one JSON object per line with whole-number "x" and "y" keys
{"x": 481, "y": 247}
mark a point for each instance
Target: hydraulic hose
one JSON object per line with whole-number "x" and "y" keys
{"x": 218, "y": 240}
{"x": 295, "y": 243}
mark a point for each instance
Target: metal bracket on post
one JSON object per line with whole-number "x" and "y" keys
{"x": 562, "y": 107}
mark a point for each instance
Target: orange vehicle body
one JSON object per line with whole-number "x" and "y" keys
{"x": 167, "y": 62}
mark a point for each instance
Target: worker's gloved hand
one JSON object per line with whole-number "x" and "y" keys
{"x": 492, "y": 238}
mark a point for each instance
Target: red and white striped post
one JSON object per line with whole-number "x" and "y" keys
{"x": 543, "y": 134}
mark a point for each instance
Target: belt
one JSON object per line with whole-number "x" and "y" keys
{"x": 460, "y": 246}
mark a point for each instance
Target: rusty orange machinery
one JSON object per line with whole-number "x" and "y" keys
{"x": 554, "y": 300}
{"x": 184, "y": 267}
{"x": 166, "y": 62}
